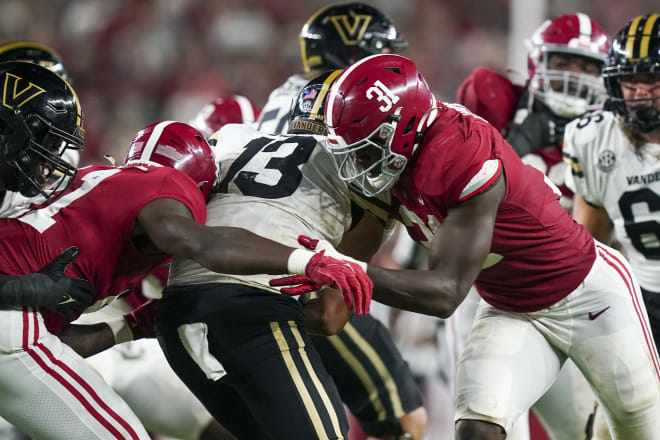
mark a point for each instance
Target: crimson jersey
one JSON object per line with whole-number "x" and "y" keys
{"x": 538, "y": 253}
{"x": 494, "y": 97}
{"x": 96, "y": 213}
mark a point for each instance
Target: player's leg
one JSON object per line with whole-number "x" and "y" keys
{"x": 49, "y": 391}
{"x": 373, "y": 379}
{"x": 507, "y": 364}
{"x": 612, "y": 344}
{"x": 208, "y": 382}
{"x": 146, "y": 373}
{"x": 137, "y": 371}
{"x": 566, "y": 409}
{"x": 457, "y": 330}
{"x": 259, "y": 339}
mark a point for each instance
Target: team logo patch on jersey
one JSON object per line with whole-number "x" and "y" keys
{"x": 606, "y": 161}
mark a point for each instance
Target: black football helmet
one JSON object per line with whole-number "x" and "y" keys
{"x": 635, "y": 51}
{"x": 338, "y": 35}
{"x": 40, "y": 118}
{"x": 32, "y": 52}
{"x": 306, "y": 115}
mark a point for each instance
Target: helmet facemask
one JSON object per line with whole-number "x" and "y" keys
{"x": 640, "y": 114}
{"x": 32, "y": 148}
{"x": 370, "y": 163}
{"x": 566, "y": 93}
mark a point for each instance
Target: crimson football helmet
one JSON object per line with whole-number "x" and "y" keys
{"x": 376, "y": 112}
{"x": 635, "y": 51}
{"x": 234, "y": 109}
{"x": 175, "y": 145}
{"x": 575, "y": 34}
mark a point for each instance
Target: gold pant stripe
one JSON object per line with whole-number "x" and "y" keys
{"x": 315, "y": 379}
{"x": 380, "y": 367}
{"x": 298, "y": 381}
{"x": 362, "y": 375}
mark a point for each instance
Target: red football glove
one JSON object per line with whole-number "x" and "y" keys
{"x": 142, "y": 320}
{"x": 345, "y": 275}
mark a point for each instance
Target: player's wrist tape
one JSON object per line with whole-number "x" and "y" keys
{"x": 121, "y": 330}
{"x": 298, "y": 260}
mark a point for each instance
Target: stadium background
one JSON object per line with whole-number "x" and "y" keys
{"x": 137, "y": 61}
{"x": 134, "y": 62}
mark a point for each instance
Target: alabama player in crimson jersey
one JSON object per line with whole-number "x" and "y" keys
{"x": 565, "y": 58}
{"x": 121, "y": 239}
{"x": 549, "y": 292}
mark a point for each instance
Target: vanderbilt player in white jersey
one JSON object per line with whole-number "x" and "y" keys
{"x": 258, "y": 371}
{"x": 334, "y": 37}
{"x": 614, "y": 158}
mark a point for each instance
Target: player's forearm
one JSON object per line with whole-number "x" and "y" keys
{"x": 87, "y": 340}
{"x": 420, "y": 291}
{"x": 238, "y": 251}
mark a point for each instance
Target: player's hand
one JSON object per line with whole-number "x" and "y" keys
{"x": 142, "y": 320}
{"x": 314, "y": 244}
{"x": 340, "y": 272}
{"x": 295, "y": 285}
{"x": 49, "y": 288}
{"x": 66, "y": 296}
{"x": 538, "y": 130}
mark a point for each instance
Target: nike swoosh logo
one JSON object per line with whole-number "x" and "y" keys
{"x": 593, "y": 315}
{"x": 66, "y": 300}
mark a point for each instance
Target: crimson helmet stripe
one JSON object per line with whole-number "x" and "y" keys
{"x": 247, "y": 111}
{"x": 153, "y": 140}
{"x": 337, "y": 84}
{"x": 585, "y": 27}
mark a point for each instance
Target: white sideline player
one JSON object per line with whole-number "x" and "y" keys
{"x": 614, "y": 159}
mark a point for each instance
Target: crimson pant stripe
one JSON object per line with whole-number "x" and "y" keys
{"x": 640, "y": 315}
{"x": 83, "y": 401}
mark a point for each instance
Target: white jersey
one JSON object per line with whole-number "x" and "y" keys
{"x": 275, "y": 186}
{"x": 274, "y": 117}
{"x": 606, "y": 172}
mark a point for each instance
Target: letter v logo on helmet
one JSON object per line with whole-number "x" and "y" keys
{"x": 13, "y": 96}
{"x": 350, "y": 34}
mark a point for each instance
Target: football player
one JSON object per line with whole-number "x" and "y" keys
{"x": 565, "y": 59}
{"x": 40, "y": 119}
{"x": 549, "y": 291}
{"x": 261, "y": 350}
{"x": 121, "y": 240}
{"x": 332, "y": 38}
{"x": 614, "y": 158}
{"x": 183, "y": 417}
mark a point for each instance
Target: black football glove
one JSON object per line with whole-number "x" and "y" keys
{"x": 538, "y": 130}
{"x": 49, "y": 288}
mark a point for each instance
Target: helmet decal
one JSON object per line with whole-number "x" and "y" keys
{"x": 16, "y": 91}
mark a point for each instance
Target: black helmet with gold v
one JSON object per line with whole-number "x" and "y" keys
{"x": 40, "y": 118}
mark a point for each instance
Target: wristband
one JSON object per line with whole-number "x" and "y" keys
{"x": 121, "y": 330}
{"x": 298, "y": 260}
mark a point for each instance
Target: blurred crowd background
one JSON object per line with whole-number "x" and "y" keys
{"x": 133, "y": 62}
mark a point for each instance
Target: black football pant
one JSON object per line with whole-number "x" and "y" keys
{"x": 275, "y": 387}
{"x": 372, "y": 378}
